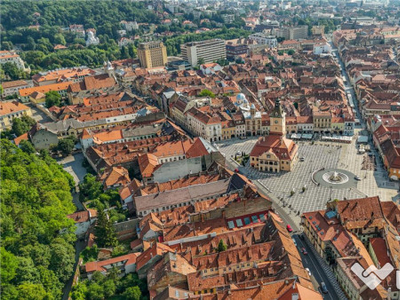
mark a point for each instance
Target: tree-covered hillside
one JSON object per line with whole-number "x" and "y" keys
{"x": 104, "y": 16}
{"x": 37, "y": 253}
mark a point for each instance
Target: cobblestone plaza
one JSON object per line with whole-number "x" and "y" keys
{"x": 286, "y": 189}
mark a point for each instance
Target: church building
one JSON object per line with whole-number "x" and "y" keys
{"x": 274, "y": 152}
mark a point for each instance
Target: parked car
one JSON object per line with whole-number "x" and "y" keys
{"x": 357, "y": 178}
{"x": 324, "y": 289}
{"x": 289, "y": 228}
{"x": 308, "y": 271}
{"x": 304, "y": 251}
{"x": 301, "y": 158}
{"x": 294, "y": 242}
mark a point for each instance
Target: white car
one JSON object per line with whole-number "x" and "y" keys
{"x": 308, "y": 271}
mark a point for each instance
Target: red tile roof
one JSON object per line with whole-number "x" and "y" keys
{"x": 379, "y": 247}
{"x": 100, "y": 266}
{"x": 21, "y": 138}
{"x": 282, "y": 147}
{"x": 63, "y": 86}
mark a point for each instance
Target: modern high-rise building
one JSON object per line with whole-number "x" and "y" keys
{"x": 291, "y": 33}
{"x": 152, "y": 54}
{"x": 206, "y": 51}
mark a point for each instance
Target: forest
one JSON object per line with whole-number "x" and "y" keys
{"x": 54, "y": 18}
{"x": 104, "y": 16}
{"x": 37, "y": 237}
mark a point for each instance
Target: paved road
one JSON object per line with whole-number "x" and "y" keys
{"x": 311, "y": 262}
{"x": 38, "y": 115}
{"x": 73, "y": 165}
{"x": 79, "y": 246}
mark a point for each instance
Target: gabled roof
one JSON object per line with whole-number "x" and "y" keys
{"x": 101, "y": 266}
{"x": 282, "y": 147}
{"x": 45, "y": 88}
{"x": 11, "y": 107}
{"x": 157, "y": 249}
{"x": 116, "y": 175}
{"x": 147, "y": 164}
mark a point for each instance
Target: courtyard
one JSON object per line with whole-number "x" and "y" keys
{"x": 296, "y": 192}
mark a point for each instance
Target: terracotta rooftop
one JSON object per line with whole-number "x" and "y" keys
{"x": 279, "y": 145}
{"x": 63, "y": 86}
{"x": 7, "y": 108}
{"x": 101, "y": 266}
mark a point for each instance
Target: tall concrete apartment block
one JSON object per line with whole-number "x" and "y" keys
{"x": 209, "y": 51}
{"x": 291, "y": 33}
{"x": 152, "y": 54}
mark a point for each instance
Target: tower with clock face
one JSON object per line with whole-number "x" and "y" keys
{"x": 277, "y": 120}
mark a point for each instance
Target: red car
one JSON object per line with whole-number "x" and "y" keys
{"x": 289, "y": 228}
{"x": 304, "y": 251}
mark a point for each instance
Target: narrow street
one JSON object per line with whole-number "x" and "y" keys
{"x": 311, "y": 262}
{"x": 318, "y": 270}
{"x": 347, "y": 85}
{"x": 73, "y": 165}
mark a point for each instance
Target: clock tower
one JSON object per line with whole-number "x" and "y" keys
{"x": 277, "y": 120}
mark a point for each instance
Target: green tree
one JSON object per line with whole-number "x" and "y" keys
{"x": 132, "y": 293}
{"x": 29, "y": 122}
{"x": 221, "y": 246}
{"x": 22, "y": 125}
{"x": 53, "y": 98}
{"x": 95, "y": 292}
{"x": 26, "y": 271}
{"x": 62, "y": 260}
{"x": 109, "y": 288}
{"x": 59, "y": 39}
{"x": 79, "y": 291}
{"x": 291, "y": 52}
{"x": 206, "y": 93}
{"x": 50, "y": 282}
{"x": 18, "y": 127}
{"x": 5, "y": 45}
{"x": 9, "y": 264}
{"x": 11, "y": 70}
{"x": 89, "y": 254}
{"x": 90, "y": 188}
{"x": 66, "y": 145}
{"x": 35, "y": 231}
{"x": 200, "y": 61}
{"x": 27, "y": 147}
{"x": 31, "y": 291}
{"x": 105, "y": 231}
